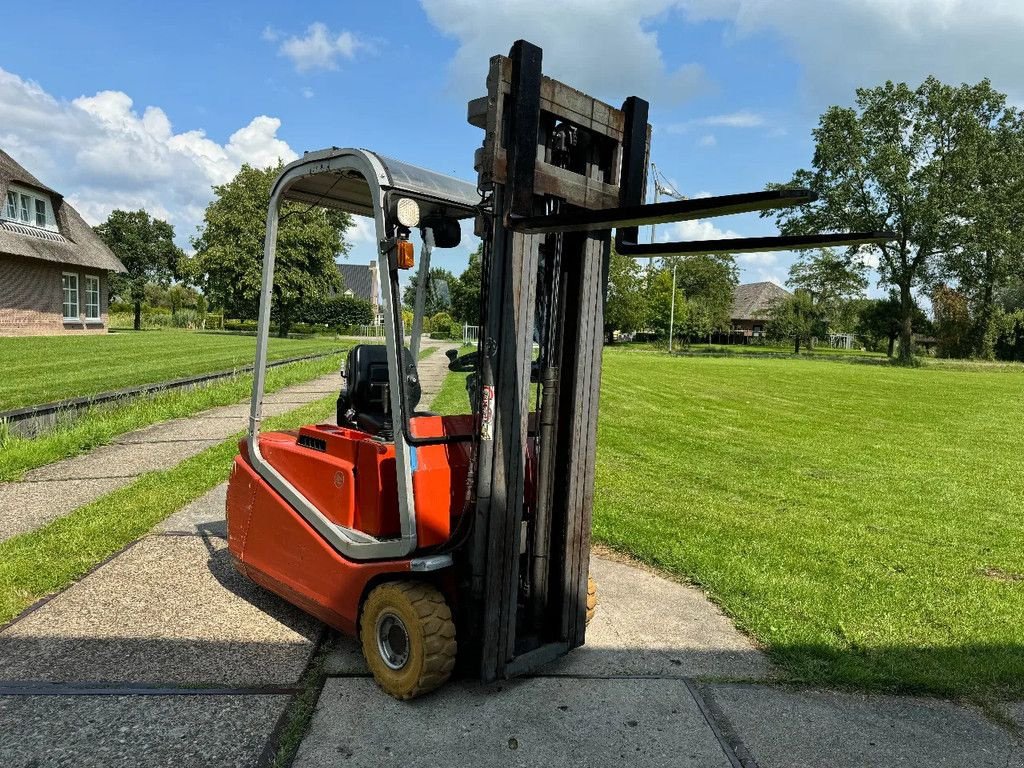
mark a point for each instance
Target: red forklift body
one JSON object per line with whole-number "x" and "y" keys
{"x": 350, "y": 476}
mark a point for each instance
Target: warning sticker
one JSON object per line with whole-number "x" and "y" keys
{"x": 487, "y": 414}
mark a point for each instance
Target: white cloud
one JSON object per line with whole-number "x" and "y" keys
{"x": 308, "y": 93}
{"x": 707, "y": 140}
{"x": 843, "y": 44}
{"x": 99, "y": 152}
{"x": 742, "y": 119}
{"x": 698, "y": 229}
{"x": 605, "y": 48}
{"x": 320, "y": 48}
{"x": 763, "y": 259}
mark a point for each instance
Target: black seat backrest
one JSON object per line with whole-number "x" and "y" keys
{"x": 366, "y": 377}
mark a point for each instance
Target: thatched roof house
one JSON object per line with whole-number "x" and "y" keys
{"x": 750, "y": 302}
{"x": 53, "y": 267}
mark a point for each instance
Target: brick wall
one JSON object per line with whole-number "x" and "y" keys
{"x": 32, "y": 298}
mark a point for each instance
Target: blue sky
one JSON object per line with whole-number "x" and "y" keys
{"x": 148, "y": 105}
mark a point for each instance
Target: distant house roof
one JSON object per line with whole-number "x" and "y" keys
{"x": 357, "y": 278}
{"x": 749, "y": 301}
{"x": 75, "y": 244}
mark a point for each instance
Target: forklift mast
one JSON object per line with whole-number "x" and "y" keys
{"x": 559, "y": 171}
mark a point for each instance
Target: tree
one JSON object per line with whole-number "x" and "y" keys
{"x": 953, "y": 325}
{"x": 794, "y": 317}
{"x": 146, "y": 248}
{"x": 890, "y": 164}
{"x": 626, "y": 305}
{"x": 986, "y": 238}
{"x": 882, "y": 319}
{"x": 439, "y": 291}
{"x": 710, "y": 281}
{"x": 229, "y": 250}
{"x": 833, "y": 280}
{"x": 659, "y": 303}
{"x": 466, "y": 291}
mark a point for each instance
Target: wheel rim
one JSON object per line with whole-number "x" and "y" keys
{"x": 392, "y": 640}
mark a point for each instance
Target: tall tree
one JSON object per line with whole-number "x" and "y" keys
{"x": 229, "y": 249}
{"x": 466, "y": 291}
{"x": 888, "y": 164}
{"x": 146, "y": 248}
{"x": 986, "y": 238}
{"x": 626, "y": 305}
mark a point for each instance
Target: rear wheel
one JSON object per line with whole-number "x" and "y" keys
{"x": 408, "y": 638}
{"x": 591, "y": 598}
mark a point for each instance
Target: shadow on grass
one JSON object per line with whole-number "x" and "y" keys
{"x": 976, "y": 671}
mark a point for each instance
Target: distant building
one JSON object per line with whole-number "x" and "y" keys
{"x": 750, "y": 302}
{"x": 53, "y": 267}
{"x": 361, "y": 281}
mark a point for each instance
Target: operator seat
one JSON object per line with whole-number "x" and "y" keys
{"x": 363, "y": 403}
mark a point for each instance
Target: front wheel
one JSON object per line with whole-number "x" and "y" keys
{"x": 408, "y": 638}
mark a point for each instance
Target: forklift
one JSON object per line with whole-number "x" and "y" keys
{"x": 464, "y": 541}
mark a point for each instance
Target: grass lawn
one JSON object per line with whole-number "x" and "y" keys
{"x": 863, "y": 522}
{"x": 41, "y": 369}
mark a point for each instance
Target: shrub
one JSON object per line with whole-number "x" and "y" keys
{"x": 335, "y": 310}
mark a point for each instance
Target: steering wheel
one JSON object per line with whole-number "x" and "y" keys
{"x": 462, "y": 363}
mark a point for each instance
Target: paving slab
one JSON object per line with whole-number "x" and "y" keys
{"x": 204, "y": 516}
{"x": 535, "y": 722}
{"x": 136, "y": 731}
{"x": 117, "y": 460}
{"x": 1015, "y": 711}
{"x": 645, "y": 626}
{"x": 789, "y": 728}
{"x": 210, "y": 427}
{"x": 27, "y": 506}
{"x": 171, "y": 610}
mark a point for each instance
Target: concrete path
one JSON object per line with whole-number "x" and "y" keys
{"x": 56, "y": 489}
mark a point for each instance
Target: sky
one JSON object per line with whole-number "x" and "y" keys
{"x": 129, "y": 105}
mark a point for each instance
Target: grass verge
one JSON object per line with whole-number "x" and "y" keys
{"x": 46, "y": 560}
{"x": 98, "y": 426}
{"x": 43, "y": 369}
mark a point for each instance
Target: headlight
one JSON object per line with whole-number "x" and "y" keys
{"x": 408, "y": 212}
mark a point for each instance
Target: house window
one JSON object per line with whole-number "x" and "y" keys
{"x": 70, "y": 283}
{"x": 28, "y": 208}
{"x": 92, "y": 299}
